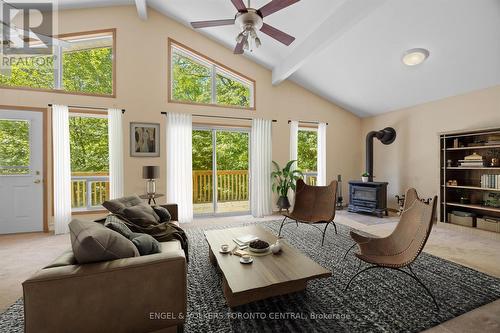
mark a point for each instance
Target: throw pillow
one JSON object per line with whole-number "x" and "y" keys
{"x": 114, "y": 223}
{"x": 162, "y": 213}
{"x": 145, "y": 243}
{"x": 116, "y": 206}
{"x": 141, "y": 214}
{"x": 93, "y": 242}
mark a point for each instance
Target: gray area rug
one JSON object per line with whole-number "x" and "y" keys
{"x": 378, "y": 301}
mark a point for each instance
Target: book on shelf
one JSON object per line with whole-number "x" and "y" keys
{"x": 490, "y": 181}
{"x": 471, "y": 163}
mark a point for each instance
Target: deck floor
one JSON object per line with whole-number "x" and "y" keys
{"x": 222, "y": 207}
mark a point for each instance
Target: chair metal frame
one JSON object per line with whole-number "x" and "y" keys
{"x": 311, "y": 224}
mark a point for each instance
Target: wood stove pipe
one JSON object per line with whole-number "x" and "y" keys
{"x": 386, "y": 136}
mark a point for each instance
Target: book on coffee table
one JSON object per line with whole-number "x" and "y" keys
{"x": 245, "y": 239}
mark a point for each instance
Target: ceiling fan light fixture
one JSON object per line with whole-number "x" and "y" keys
{"x": 257, "y": 42}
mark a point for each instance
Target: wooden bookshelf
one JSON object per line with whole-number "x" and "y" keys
{"x": 477, "y": 188}
{"x": 474, "y": 207}
{"x": 469, "y": 194}
{"x": 473, "y": 168}
{"x": 474, "y": 147}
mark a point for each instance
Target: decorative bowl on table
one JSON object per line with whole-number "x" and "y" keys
{"x": 258, "y": 246}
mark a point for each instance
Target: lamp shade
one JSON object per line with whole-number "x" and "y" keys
{"x": 150, "y": 172}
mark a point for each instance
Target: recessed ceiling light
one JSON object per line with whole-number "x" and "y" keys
{"x": 415, "y": 57}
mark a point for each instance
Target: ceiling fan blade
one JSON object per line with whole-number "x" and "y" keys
{"x": 277, "y": 34}
{"x": 214, "y": 23}
{"x": 240, "y": 5}
{"x": 239, "y": 47}
{"x": 274, "y": 6}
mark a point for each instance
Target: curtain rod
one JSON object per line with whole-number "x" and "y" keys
{"x": 307, "y": 122}
{"x": 87, "y": 107}
{"x": 223, "y": 117}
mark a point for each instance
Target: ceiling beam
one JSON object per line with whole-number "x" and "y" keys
{"x": 142, "y": 9}
{"x": 332, "y": 28}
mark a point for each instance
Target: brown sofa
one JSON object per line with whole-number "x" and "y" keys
{"x": 138, "y": 294}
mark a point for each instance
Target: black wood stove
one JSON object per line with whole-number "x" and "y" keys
{"x": 371, "y": 197}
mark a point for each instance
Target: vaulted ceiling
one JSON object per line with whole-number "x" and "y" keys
{"x": 349, "y": 51}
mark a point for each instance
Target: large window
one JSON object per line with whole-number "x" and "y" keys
{"x": 84, "y": 64}
{"x": 307, "y": 154}
{"x": 198, "y": 79}
{"x": 89, "y": 161}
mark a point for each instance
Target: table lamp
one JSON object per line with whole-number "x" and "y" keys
{"x": 151, "y": 173}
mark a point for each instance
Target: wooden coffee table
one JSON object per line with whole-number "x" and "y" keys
{"x": 267, "y": 276}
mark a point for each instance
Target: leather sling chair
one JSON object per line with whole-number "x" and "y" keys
{"x": 313, "y": 205}
{"x": 403, "y": 245}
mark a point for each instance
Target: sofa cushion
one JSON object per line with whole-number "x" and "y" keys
{"x": 145, "y": 243}
{"x": 162, "y": 213}
{"x": 141, "y": 214}
{"x": 93, "y": 242}
{"x": 116, "y": 206}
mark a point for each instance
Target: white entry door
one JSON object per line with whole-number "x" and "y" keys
{"x": 21, "y": 170}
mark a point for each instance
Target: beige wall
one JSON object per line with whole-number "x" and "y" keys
{"x": 142, "y": 90}
{"x": 413, "y": 159}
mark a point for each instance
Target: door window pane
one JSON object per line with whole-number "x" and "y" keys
{"x": 232, "y": 172}
{"x": 202, "y": 172}
{"x": 89, "y": 161}
{"x": 15, "y": 154}
{"x": 191, "y": 81}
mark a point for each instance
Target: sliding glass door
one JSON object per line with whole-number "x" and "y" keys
{"x": 220, "y": 171}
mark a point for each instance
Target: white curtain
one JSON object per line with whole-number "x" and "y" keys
{"x": 115, "y": 138}
{"x": 321, "y": 154}
{"x": 294, "y": 143}
{"x": 294, "y": 138}
{"x": 62, "y": 168}
{"x": 260, "y": 167}
{"x": 180, "y": 163}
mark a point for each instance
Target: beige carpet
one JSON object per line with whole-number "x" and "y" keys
{"x": 24, "y": 254}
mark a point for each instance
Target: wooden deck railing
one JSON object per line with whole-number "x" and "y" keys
{"x": 89, "y": 190}
{"x": 310, "y": 178}
{"x": 232, "y": 185}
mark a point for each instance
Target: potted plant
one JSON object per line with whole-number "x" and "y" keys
{"x": 283, "y": 180}
{"x": 365, "y": 177}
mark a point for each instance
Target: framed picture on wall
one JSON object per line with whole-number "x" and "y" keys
{"x": 144, "y": 140}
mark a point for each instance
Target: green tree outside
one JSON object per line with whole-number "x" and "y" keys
{"x": 231, "y": 148}
{"x": 88, "y": 71}
{"x": 307, "y": 152}
{"x": 89, "y": 144}
{"x": 192, "y": 82}
{"x": 30, "y": 72}
{"x": 14, "y": 146}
